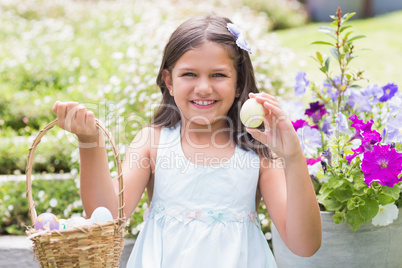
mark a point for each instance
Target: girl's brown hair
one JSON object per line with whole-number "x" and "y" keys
{"x": 193, "y": 33}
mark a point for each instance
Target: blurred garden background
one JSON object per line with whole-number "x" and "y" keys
{"x": 106, "y": 54}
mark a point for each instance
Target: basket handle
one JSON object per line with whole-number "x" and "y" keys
{"x": 28, "y": 170}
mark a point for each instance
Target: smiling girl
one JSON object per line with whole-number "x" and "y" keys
{"x": 203, "y": 212}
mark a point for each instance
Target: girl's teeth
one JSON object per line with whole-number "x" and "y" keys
{"x": 203, "y": 102}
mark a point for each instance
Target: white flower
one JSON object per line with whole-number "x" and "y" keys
{"x": 41, "y": 194}
{"x": 134, "y": 231}
{"x": 268, "y": 236}
{"x": 53, "y": 202}
{"x": 314, "y": 169}
{"x": 386, "y": 215}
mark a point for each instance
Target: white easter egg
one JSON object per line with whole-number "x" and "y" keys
{"x": 63, "y": 224}
{"x": 101, "y": 214}
{"x": 252, "y": 113}
{"x": 77, "y": 221}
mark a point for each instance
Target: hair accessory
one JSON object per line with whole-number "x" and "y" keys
{"x": 240, "y": 38}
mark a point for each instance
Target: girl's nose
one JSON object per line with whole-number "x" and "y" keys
{"x": 203, "y": 88}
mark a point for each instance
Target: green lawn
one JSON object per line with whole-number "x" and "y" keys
{"x": 380, "y": 58}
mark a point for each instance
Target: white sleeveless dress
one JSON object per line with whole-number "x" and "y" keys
{"x": 202, "y": 216}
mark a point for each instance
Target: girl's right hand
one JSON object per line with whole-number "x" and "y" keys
{"x": 76, "y": 119}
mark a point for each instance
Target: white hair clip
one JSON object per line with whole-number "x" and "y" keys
{"x": 240, "y": 38}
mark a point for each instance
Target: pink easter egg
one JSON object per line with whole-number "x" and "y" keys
{"x": 46, "y": 221}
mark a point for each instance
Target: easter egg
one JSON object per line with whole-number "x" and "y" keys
{"x": 77, "y": 221}
{"x": 101, "y": 214}
{"x": 252, "y": 113}
{"x": 46, "y": 221}
{"x": 63, "y": 224}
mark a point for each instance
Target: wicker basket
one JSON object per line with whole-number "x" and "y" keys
{"x": 96, "y": 245}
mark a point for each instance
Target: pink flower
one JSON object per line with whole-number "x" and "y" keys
{"x": 368, "y": 137}
{"x": 301, "y": 123}
{"x": 382, "y": 165}
{"x": 360, "y": 126}
{"x": 25, "y": 120}
{"x": 312, "y": 161}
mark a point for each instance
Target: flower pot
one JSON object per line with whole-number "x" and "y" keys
{"x": 369, "y": 246}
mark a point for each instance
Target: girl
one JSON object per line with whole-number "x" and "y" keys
{"x": 204, "y": 171}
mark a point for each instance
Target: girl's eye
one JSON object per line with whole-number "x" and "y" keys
{"x": 218, "y": 75}
{"x": 189, "y": 74}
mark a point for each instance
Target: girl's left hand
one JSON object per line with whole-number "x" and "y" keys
{"x": 279, "y": 134}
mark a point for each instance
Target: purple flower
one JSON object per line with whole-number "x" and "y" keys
{"x": 301, "y": 83}
{"x": 382, "y": 165}
{"x": 394, "y": 104}
{"x": 310, "y": 139}
{"x": 373, "y": 93}
{"x": 393, "y": 130}
{"x": 327, "y": 154}
{"x": 341, "y": 123}
{"x": 326, "y": 126}
{"x": 316, "y": 111}
{"x": 332, "y": 90}
{"x": 389, "y": 91}
{"x": 359, "y": 102}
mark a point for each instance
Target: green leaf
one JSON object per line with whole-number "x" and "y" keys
{"x": 344, "y": 28}
{"x": 327, "y": 63}
{"x": 326, "y": 29}
{"x": 347, "y": 16}
{"x": 355, "y": 37}
{"x": 354, "y": 219}
{"x": 347, "y": 35}
{"x": 319, "y": 56}
{"x": 391, "y": 191}
{"x": 384, "y": 199}
{"x": 330, "y": 204}
{"x": 342, "y": 195}
{"x": 322, "y": 43}
{"x": 334, "y": 53}
{"x": 369, "y": 209}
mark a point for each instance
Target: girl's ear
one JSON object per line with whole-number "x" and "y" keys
{"x": 167, "y": 78}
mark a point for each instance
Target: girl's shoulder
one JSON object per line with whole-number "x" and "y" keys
{"x": 146, "y": 140}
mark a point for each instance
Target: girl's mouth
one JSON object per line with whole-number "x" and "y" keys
{"x": 203, "y": 103}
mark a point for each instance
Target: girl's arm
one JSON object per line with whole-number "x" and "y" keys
{"x": 97, "y": 187}
{"x": 285, "y": 183}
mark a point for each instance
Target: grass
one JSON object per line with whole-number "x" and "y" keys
{"x": 380, "y": 52}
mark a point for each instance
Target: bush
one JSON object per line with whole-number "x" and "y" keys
{"x": 282, "y": 14}
{"x": 60, "y": 197}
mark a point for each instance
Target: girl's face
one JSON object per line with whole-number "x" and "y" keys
{"x": 203, "y": 84}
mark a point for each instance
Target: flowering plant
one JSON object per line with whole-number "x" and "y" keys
{"x": 351, "y": 136}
